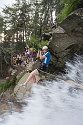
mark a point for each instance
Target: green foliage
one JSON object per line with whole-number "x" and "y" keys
{"x": 24, "y": 18}
{"x": 32, "y": 41}
{"x": 7, "y": 50}
{"x": 36, "y": 43}
{"x": 43, "y": 43}
{"x": 17, "y": 21}
{"x": 5, "y": 85}
{"x": 68, "y": 7}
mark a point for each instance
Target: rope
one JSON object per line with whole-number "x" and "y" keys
{"x": 75, "y": 83}
{"x": 59, "y": 77}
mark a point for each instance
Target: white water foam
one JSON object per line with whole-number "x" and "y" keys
{"x": 53, "y": 102}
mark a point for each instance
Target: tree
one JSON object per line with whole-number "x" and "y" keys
{"x": 48, "y": 7}
{"x": 1, "y": 24}
{"x": 23, "y": 19}
{"x": 17, "y": 19}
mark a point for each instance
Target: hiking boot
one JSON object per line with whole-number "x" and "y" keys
{"x": 23, "y": 85}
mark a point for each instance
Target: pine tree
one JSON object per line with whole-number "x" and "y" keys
{"x": 1, "y": 24}
{"x": 17, "y": 19}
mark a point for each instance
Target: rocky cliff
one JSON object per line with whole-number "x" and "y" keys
{"x": 67, "y": 39}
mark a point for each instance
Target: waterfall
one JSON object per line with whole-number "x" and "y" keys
{"x": 52, "y": 102}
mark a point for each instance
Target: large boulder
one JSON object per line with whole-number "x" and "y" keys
{"x": 19, "y": 90}
{"x": 74, "y": 23}
{"x": 67, "y": 38}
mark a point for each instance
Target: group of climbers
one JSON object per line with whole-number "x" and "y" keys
{"x": 28, "y": 54}
{"x": 26, "y": 57}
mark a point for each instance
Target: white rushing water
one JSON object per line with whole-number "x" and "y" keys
{"x": 53, "y": 102}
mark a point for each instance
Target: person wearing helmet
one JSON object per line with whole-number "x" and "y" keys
{"x": 44, "y": 56}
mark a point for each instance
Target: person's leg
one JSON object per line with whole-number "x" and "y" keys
{"x": 32, "y": 76}
{"x": 34, "y": 79}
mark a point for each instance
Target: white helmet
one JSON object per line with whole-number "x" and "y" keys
{"x": 45, "y": 47}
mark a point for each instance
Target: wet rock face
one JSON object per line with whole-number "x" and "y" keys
{"x": 67, "y": 38}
